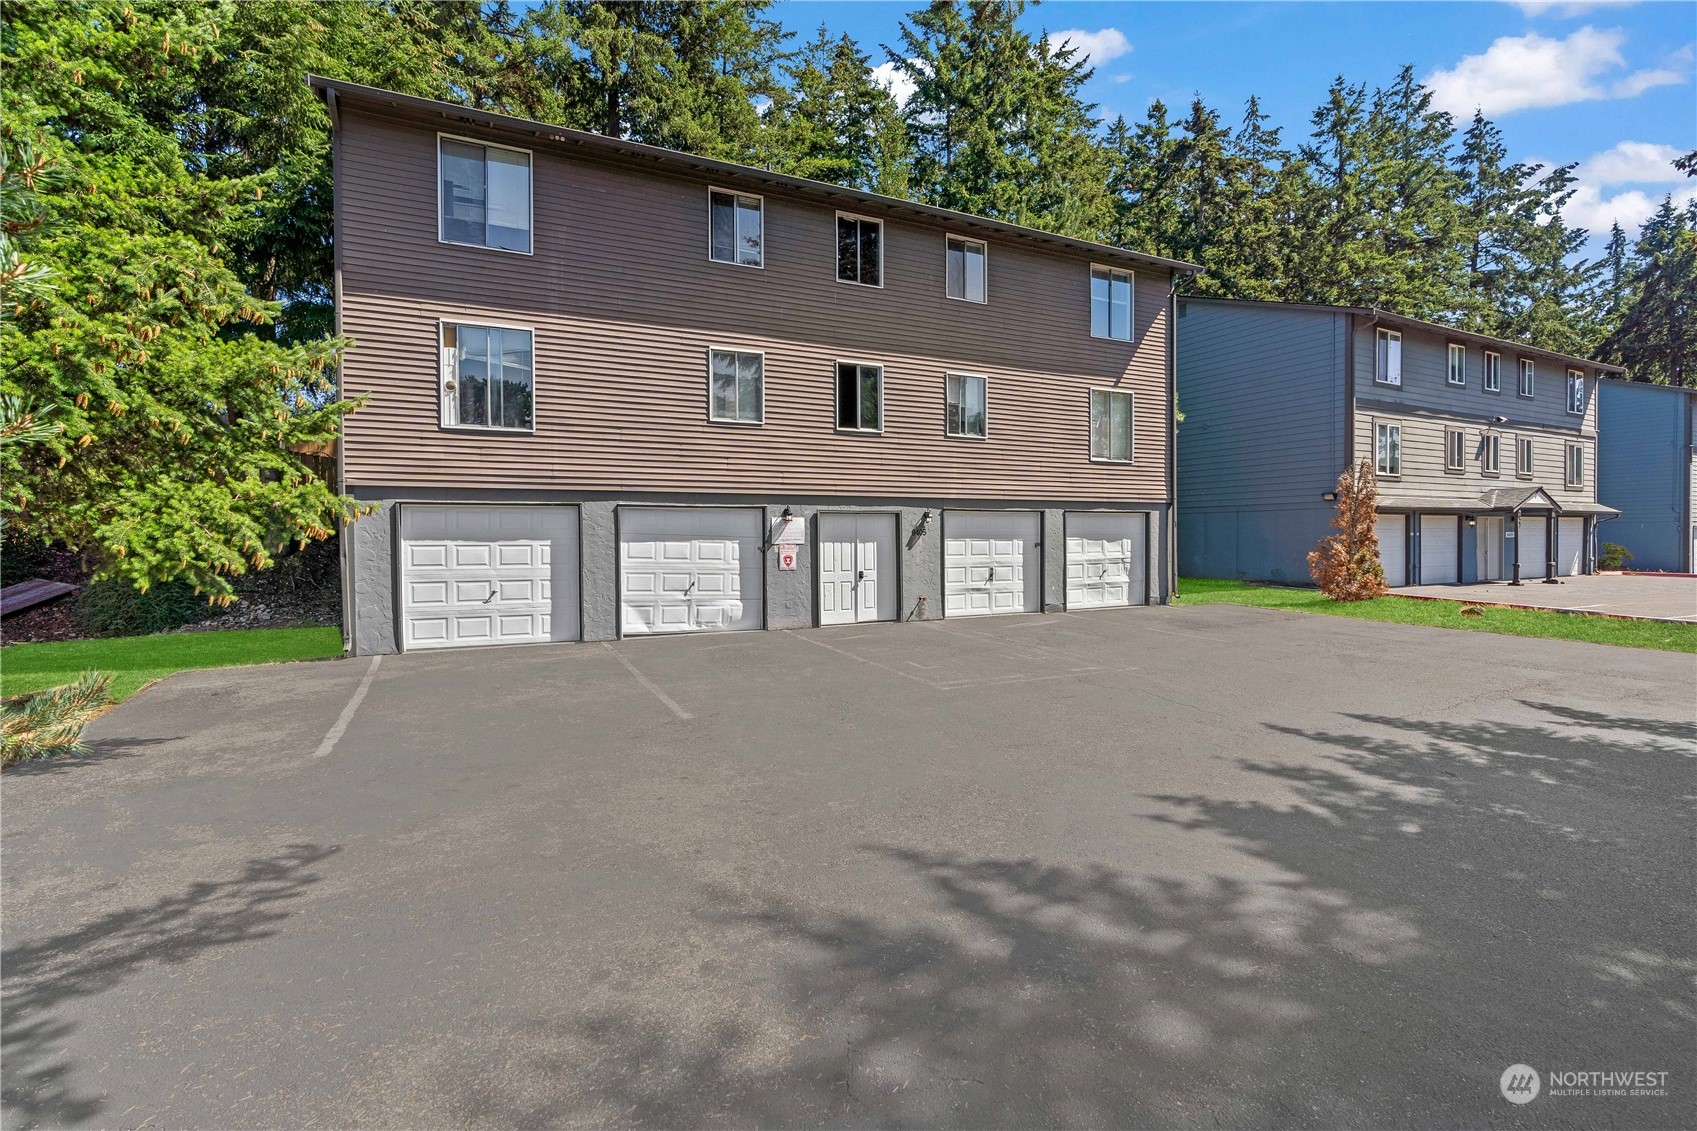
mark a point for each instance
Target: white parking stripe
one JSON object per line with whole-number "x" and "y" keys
{"x": 648, "y": 683}
{"x": 347, "y": 715}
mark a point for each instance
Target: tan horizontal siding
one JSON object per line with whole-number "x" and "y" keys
{"x": 624, "y": 304}
{"x": 1424, "y": 475}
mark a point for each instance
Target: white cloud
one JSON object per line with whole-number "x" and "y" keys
{"x": 1531, "y": 70}
{"x": 895, "y": 80}
{"x": 1094, "y": 47}
{"x": 1566, "y": 9}
{"x": 1632, "y": 163}
{"x": 1619, "y": 168}
{"x": 1589, "y": 208}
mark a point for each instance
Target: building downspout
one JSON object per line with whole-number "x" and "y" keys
{"x": 1172, "y": 436}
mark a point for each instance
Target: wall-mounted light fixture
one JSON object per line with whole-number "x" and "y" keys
{"x": 1499, "y": 420}
{"x": 787, "y": 515}
{"x": 1473, "y": 520}
{"x": 925, "y": 520}
{"x": 1329, "y": 496}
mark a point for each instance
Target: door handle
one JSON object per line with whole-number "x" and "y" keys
{"x": 688, "y": 588}
{"x": 860, "y": 575}
{"x": 992, "y": 576}
{"x": 489, "y": 598}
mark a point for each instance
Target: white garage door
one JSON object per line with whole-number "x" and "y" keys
{"x": 488, "y": 575}
{"x": 991, "y": 562}
{"x": 689, "y": 569}
{"x": 1105, "y": 559}
{"x": 857, "y": 568}
{"x": 1533, "y": 543}
{"x": 1570, "y": 546}
{"x": 1440, "y": 545}
{"x": 1392, "y": 530}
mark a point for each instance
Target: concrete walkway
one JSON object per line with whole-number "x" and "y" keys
{"x": 1647, "y": 598}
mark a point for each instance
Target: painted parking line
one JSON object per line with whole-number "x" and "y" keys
{"x": 862, "y": 659}
{"x": 648, "y": 683}
{"x": 347, "y": 716}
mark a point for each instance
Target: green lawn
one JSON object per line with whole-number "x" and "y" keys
{"x": 134, "y": 661}
{"x": 1447, "y": 614}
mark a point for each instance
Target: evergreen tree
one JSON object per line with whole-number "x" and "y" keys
{"x": 1147, "y": 161}
{"x": 1656, "y": 338}
{"x": 835, "y": 122}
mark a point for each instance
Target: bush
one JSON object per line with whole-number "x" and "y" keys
{"x": 1346, "y": 565}
{"x": 1612, "y": 555}
{"x": 117, "y": 608}
{"x": 49, "y": 723}
{"x": 22, "y": 559}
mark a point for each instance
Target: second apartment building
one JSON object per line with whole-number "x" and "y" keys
{"x": 617, "y": 390}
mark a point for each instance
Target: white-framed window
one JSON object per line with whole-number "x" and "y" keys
{"x": 736, "y": 228}
{"x": 860, "y": 250}
{"x": 1112, "y": 430}
{"x": 1387, "y": 447}
{"x": 1576, "y": 465}
{"x": 965, "y": 268}
{"x": 1491, "y": 453}
{"x": 1458, "y": 364}
{"x": 1493, "y": 372}
{"x": 1526, "y": 376}
{"x": 736, "y": 386}
{"x": 1523, "y": 457}
{"x": 485, "y": 194}
{"x": 860, "y": 397}
{"x": 1576, "y": 392}
{"x": 1387, "y": 358}
{"x": 966, "y": 405}
{"x": 1110, "y": 303}
{"x": 488, "y": 377}
{"x": 1455, "y": 449}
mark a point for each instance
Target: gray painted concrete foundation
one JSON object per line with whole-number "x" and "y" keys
{"x": 371, "y": 563}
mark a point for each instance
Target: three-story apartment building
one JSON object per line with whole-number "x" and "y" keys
{"x": 614, "y": 389}
{"x": 1485, "y": 449}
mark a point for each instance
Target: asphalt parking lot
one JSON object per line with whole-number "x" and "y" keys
{"x": 1217, "y": 866}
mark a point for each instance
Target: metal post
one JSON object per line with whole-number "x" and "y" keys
{"x": 1551, "y": 528}
{"x": 1514, "y": 525}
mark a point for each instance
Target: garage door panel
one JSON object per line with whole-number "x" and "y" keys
{"x": 459, "y": 590}
{"x": 1440, "y": 545}
{"x": 990, "y": 562}
{"x": 688, "y": 569}
{"x": 1534, "y": 545}
{"x": 1392, "y": 530}
{"x": 1570, "y": 542}
{"x": 1105, "y": 555}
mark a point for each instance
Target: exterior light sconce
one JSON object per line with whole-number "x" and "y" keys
{"x": 1329, "y": 496}
{"x": 1499, "y": 420}
{"x": 1473, "y": 520}
{"x": 787, "y": 515}
{"x": 925, "y": 522}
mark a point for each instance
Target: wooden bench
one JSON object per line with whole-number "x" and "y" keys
{"x": 29, "y": 594}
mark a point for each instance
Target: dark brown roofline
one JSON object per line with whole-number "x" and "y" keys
{"x": 1403, "y": 322}
{"x": 616, "y": 150}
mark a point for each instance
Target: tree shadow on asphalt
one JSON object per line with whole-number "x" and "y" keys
{"x": 1460, "y": 896}
{"x": 45, "y": 973}
{"x": 100, "y": 750}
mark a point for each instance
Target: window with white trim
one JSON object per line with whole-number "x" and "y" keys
{"x": 1525, "y": 376}
{"x": 1110, "y": 303}
{"x": 1491, "y": 454}
{"x": 1112, "y": 432}
{"x": 485, "y": 197}
{"x": 965, "y": 397}
{"x": 1387, "y": 358}
{"x": 736, "y": 387}
{"x": 1493, "y": 372}
{"x": 860, "y": 250}
{"x": 1576, "y": 465}
{"x": 1387, "y": 447}
{"x": 965, "y": 268}
{"x": 1523, "y": 457}
{"x": 860, "y": 396}
{"x": 1455, "y": 449}
{"x": 736, "y": 229}
{"x": 1458, "y": 365}
{"x": 488, "y": 377}
{"x": 1576, "y": 392}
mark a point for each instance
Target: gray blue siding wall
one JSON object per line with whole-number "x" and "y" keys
{"x": 1644, "y": 470}
{"x": 1263, "y": 392}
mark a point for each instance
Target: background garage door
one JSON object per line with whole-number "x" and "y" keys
{"x": 991, "y": 562}
{"x": 689, "y": 569}
{"x": 1392, "y": 530}
{"x": 1534, "y": 540}
{"x": 1440, "y": 545}
{"x": 475, "y": 575}
{"x": 1570, "y": 546}
{"x": 1105, "y": 559}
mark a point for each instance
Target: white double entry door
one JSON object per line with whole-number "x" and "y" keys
{"x": 857, "y": 568}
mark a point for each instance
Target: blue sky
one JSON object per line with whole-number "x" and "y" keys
{"x": 1608, "y": 85}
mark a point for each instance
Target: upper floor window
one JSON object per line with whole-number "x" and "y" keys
{"x": 1387, "y": 358}
{"x": 485, "y": 195}
{"x": 1455, "y": 449}
{"x": 1525, "y": 376}
{"x": 1576, "y": 465}
{"x": 1458, "y": 365}
{"x": 736, "y": 231}
{"x": 860, "y": 396}
{"x": 487, "y": 377}
{"x": 1493, "y": 373}
{"x": 1110, "y": 303}
{"x": 860, "y": 250}
{"x": 965, "y": 268}
{"x": 1388, "y": 448}
{"x": 736, "y": 387}
{"x": 1523, "y": 457}
{"x": 1491, "y": 453}
{"x": 1111, "y": 429}
{"x": 1576, "y": 392}
{"x": 965, "y": 396}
